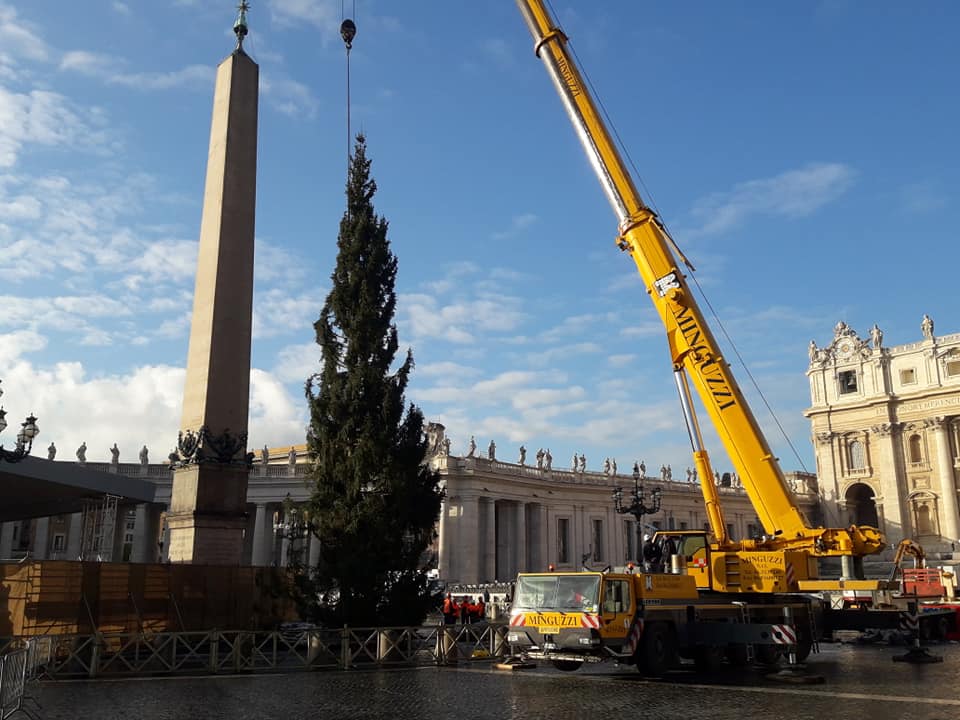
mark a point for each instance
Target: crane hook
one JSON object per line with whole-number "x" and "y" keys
{"x": 348, "y": 31}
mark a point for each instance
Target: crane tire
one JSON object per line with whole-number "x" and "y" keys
{"x": 567, "y": 665}
{"x": 766, "y": 654}
{"x": 737, "y": 654}
{"x": 658, "y": 650}
{"x": 708, "y": 658}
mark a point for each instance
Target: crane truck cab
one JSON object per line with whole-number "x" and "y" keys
{"x": 650, "y": 620}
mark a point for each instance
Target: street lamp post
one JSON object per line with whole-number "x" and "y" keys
{"x": 28, "y": 431}
{"x": 638, "y": 503}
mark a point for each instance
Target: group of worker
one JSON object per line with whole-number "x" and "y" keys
{"x": 462, "y": 608}
{"x": 656, "y": 554}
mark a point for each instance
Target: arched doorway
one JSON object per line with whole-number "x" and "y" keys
{"x": 861, "y": 505}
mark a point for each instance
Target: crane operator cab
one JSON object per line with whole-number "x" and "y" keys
{"x": 572, "y": 618}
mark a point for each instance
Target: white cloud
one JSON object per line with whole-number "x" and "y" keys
{"x": 195, "y": 76}
{"x": 621, "y": 360}
{"x": 276, "y": 419}
{"x": 791, "y": 194}
{"x": 643, "y": 330}
{"x": 460, "y": 322}
{"x": 18, "y": 38}
{"x": 121, "y": 7}
{"x": 132, "y": 409}
{"x": 87, "y": 63}
{"x": 16, "y": 344}
{"x": 276, "y": 312}
{"x": 545, "y": 356}
{"x": 289, "y": 96}
{"x": 322, "y": 14}
{"x": 498, "y": 50}
{"x": 174, "y": 260}
{"x": 136, "y": 408}
{"x": 106, "y": 67}
{"x": 45, "y": 118}
{"x": 446, "y": 370}
{"x": 518, "y": 224}
{"x": 923, "y": 197}
{"x": 175, "y": 328}
{"x": 582, "y": 325}
{"x": 295, "y": 363}
{"x": 22, "y": 207}
{"x": 273, "y": 263}
{"x": 68, "y": 313}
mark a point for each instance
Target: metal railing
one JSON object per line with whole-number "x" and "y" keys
{"x": 218, "y": 651}
{"x": 20, "y": 663}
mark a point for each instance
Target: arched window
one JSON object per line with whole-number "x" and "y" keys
{"x": 916, "y": 449}
{"x": 856, "y": 455}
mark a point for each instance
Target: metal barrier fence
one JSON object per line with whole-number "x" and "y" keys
{"x": 20, "y": 663}
{"x": 13, "y": 679}
{"x": 218, "y": 651}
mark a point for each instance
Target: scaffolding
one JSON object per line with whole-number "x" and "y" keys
{"x": 99, "y": 524}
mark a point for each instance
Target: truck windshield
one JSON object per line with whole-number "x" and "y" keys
{"x": 557, "y": 592}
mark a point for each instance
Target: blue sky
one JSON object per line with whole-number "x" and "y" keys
{"x": 804, "y": 156}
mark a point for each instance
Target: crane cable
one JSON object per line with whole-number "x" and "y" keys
{"x": 348, "y": 30}
{"x": 648, "y": 194}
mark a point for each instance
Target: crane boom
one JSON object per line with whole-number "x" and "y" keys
{"x": 694, "y": 350}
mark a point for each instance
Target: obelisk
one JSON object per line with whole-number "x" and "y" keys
{"x": 207, "y": 513}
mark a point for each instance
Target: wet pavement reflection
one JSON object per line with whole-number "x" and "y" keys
{"x": 860, "y": 682}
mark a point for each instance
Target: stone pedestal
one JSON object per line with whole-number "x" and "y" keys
{"x": 207, "y": 514}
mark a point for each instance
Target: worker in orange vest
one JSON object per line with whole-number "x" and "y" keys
{"x": 449, "y": 610}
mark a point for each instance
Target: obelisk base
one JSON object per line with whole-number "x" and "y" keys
{"x": 207, "y": 515}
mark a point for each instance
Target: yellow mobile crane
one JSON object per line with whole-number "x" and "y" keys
{"x": 786, "y": 558}
{"x": 735, "y": 599}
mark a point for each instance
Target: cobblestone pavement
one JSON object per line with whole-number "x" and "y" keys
{"x": 861, "y": 682}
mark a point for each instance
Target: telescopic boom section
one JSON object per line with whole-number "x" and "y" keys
{"x": 692, "y": 345}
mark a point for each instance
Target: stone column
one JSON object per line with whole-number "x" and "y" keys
{"x": 6, "y": 540}
{"x": 115, "y": 543}
{"x": 74, "y": 536}
{"x": 138, "y": 549}
{"x": 520, "y": 538}
{"x": 950, "y": 529}
{"x": 489, "y": 570}
{"x": 208, "y": 503}
{"x": 248, "y": 535}
{"x": 262, "y": 536}
{"x": 468, "y": 543}
{"x": 543, "y": 539}
{"x": 445, "y": 542}
{"x": 41, "y": 538}
{"x": 892, "y": 484}
{"x": 313, "y": 553}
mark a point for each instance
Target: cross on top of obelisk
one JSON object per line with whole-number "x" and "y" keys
{"x": 240, "y": 26}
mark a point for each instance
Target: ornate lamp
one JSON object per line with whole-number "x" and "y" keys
{"x": 28, "y": 431}
{"x": 637, "y": 507}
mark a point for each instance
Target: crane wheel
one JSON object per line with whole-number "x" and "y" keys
{"x": 737, "y": 655}
{"x": 708, "y": 658}
{"x": 567, "y": 665}
{"x": 658, "y": 650}
{"x": 768, "y": 655}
